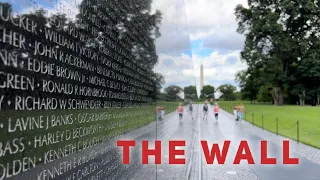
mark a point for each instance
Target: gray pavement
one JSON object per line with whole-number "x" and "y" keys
{"x": 226, "y": 128}
{"x": 178, "y": 130}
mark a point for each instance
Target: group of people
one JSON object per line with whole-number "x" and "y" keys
{"x": 181, "y": 109}
{"x": 238, "y": 111}
{"x": 216, "y": 110}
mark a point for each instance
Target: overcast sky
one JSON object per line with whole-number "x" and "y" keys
{"x": 195, "y": 32}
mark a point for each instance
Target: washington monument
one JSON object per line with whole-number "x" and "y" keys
{"x": 201, "y": 77}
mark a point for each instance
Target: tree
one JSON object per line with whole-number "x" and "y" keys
{"x": 264, "y": 95}
{"x": 190, "y": 92}
{"x": 278, "y": 35}
{"x": 308, "y": 75}
{"x": 227, "y": 91}
{"x": 238, "y": 95}
{"x": 249, "y": 84}
{"x": 207, "y": 92}
{"x": 173, "y": 91}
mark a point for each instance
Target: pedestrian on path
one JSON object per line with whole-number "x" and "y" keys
{"x": 205, "y": 110}
{"x": 190, "y": 107}
{"x": 216, "y": 110}
{"x": 235, "y": 111}
{"x": 180, "y": 111}
{"x": 162, "y": 112}
{"x": 158, "y": 115}
{"x": 241, "y": 111}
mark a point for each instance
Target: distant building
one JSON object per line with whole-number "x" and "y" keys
{"x": 201, "y": 78}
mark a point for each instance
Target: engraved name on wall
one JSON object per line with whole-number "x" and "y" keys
{"x": 69, "y": 84}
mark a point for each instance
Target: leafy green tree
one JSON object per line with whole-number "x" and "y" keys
{"x": 227, "y": 91}
{"x": 264, "y": 95}
{"x": 173, "y": 91}
{"x": 309, "y": 73}
{"x": 249, "y": 85}
{"x": 207, "y": 92}
{"x": 278, "y": 35}
{"x": 238, "y": 95}
{"x": 190, "y": 92}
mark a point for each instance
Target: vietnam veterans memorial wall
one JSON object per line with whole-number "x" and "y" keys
{"x": 74, "y": 76}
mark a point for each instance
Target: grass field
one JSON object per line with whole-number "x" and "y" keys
{"x": 294, "y": 122}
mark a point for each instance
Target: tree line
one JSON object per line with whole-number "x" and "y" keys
{"x": 228, "y": 92}
{"x": 282, "y": 51}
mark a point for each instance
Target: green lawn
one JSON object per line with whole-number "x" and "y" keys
{"x": 266, "y": 115}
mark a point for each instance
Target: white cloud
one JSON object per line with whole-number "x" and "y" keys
{"x": 211, "y": 16}
{"x": 172, "y": 40}
{"x": 212, "y": 23}
{"x": 224, "y": 40}
{"x": 202, "y": 19}
{"x": 67, "y": 7}
{"x": 184, "y": 70}
{"x": 176, "y": 69}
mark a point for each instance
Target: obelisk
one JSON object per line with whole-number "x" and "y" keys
{"x": 201, "y": 77}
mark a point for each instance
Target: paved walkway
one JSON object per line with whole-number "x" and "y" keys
{"x": 171, "y": 129}
{"x": 226, "y": 128}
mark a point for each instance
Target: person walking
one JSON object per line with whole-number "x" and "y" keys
{"x": 216, "y": 110}
{"x": 162, "y": 113}
{"x": 241, "y": 111}
{"x": 180, "y": 111}
{"x": 205, "y": 110}
{"x": 190, "y": 107}
{"x": 157, "y": 111}
{"x": 235, "y": 111}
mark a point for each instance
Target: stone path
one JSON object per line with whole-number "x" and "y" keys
{"x": 226, "y": 128}
{"x": 183, "y": 130}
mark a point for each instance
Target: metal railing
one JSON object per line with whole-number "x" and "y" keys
{"x": 290, "y": 129}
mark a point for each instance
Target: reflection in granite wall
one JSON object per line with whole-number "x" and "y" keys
{"x": 74, "y": 77}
